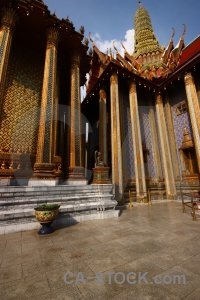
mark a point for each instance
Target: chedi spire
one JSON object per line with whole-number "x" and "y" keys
{"x": 145, "y": 40}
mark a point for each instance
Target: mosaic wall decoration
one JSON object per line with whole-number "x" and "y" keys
{"x": 127, "y": 142}
{"x": 145, "y": 127}
{"x": 127, "y": 145}
{"x": 181, "y": 120}
{"x": 20, "y": 116}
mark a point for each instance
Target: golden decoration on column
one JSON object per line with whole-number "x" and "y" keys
{"x": 117, "y": 177}
{"x": 194, "y": 110}
{"x": 44, "y": 166}
{"x": 6, "y": 34}
{"x": 172, "y": 140}
{"x": 157, "y": 160}
{"x": 76, "y": 173}
{"x": 103, "y": 125}
{"x": 165, "y": 150}
{"x": 141, "y": 192}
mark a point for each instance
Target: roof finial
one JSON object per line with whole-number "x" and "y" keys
{"x": 91, "y": 39}
{"x": 123, "y": 46}
{"x": 173, "y": 33}
{"x": 115, "y": 47}
{"x": 184, "y": 31}
{"x": 139, "y": 3}
{"x": 111, "y": 54}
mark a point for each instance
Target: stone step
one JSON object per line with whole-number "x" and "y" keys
{"x": 63, "y": 219}
{"x": 19, "y": 202}
{"x": 57, "y": 190}
{"x": 80, "y": 202}
{"x": 10, "y": 212}
{"x": 51, "y": 198}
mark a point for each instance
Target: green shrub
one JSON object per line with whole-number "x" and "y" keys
{"x": 47, "y": 207}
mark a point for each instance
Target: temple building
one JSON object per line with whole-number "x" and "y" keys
{"x": 142, "y": 108}
{"x": 144, "y": 115}
{"x": 43, "y": 64}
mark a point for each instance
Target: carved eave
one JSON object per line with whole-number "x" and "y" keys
{"x": 94, "y": 72}
{"x": 97, "y": 68}
{"x": 102, "y": 57}
{"x": 124, "y": 62}
{"x": 130, "y": 58}
{"x": 176, "y": 54}
{"x": 168, "y": 50}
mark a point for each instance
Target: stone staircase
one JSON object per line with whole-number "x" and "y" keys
{"x": 77, "y": 203}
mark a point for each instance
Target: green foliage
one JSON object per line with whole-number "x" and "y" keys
{"x": 47, "y": 207}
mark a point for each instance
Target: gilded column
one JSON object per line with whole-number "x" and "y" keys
{"x": 172, "y": 140}
{"x": 44, "y": 166}
{"x": 141, "y": 192}
{"x": 103, "y": 125}
{"x": 6, "y": 34}
{"x": 76, "y": 173}
{"x": 55, "y": 118}
{"x": 117, "y": 176}
{"x": 194, "y": 110}
{"x": 165, "y": 150}
{"x": 156, "y": 152}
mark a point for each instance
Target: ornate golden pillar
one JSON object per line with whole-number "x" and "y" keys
{"x": 117, "y": 176}
{"x": 172, "y": 140}
{"x": 156, "y": 153}
{"x": 194, "y": 110}
{"x": 44, "y": 166}
{"x": 6, "y": 33}
{"x": 165, "y": 150}
{"x": 141, "y": 192}
{"x": 76, "y": 173}
{"x": 103, "y": 125}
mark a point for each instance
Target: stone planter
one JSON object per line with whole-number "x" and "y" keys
{"x": 46, "y": 214}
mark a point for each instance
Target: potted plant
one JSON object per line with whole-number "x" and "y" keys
{"x": 46, "y": 214}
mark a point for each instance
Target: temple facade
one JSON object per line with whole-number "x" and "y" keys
{"x": 144, "y": 114}
{"x": 142, "y": 108}
{"x": 43, "y": 64}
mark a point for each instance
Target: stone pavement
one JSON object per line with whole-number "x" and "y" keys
{"x": 146, "y": 240}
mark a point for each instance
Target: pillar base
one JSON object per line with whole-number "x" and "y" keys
{"x": 76, "y": 176}
{"x": 44, "y": 171}
{"x": 43, "y": 182}
{"x": 101, "y": 175}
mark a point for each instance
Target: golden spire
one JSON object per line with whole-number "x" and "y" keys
{"x": 145, "y": 40}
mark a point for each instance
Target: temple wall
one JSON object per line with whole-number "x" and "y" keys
{"x": 19, "y": 121}
{"x": 176, "y": 96}
{"x": 145, "y": 126}
{"x": 127, "y": 143}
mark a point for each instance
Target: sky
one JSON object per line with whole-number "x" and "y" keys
{"x": 113, "y": 20}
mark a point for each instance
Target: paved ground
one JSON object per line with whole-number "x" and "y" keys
{"x": 157, "y": 239}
